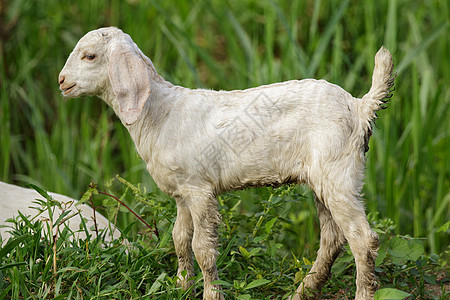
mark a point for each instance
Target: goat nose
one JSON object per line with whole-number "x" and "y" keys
{"x": 61, "y": 79}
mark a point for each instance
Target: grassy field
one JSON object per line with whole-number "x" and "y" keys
{"x": 253, "y": 262}
{"x": 62, "y": 145}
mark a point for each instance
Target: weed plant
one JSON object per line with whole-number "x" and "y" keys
{"x": 253, "y": 263}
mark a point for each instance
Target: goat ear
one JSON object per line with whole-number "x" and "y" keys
{"x": 130, "y": 80}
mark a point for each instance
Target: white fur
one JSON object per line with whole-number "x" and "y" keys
{"x": 200, "y": 143}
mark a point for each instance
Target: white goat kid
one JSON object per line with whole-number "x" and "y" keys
{"x": 200, "y": 143}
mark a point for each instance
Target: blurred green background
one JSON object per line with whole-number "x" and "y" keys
{"x": 62, "y": 145}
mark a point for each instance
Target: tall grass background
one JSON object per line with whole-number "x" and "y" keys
{"x": 62, "y": 145}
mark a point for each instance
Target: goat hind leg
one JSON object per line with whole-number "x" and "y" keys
{"x": 349, "y": 215}
{"x": 331, "y": 242}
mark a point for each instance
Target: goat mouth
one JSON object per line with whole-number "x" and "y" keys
{"x": 67, "y": 90}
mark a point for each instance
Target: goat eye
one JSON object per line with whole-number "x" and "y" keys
{"x": 90, "y": 56}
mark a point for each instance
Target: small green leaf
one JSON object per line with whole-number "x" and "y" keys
{"x": 434, "y": 257}
{"x": 221, "y": 282}
{"x": 268, "y": 226}
{"x": 306, "y": 262}
{"x": 390, "y": 294}
{"x": 444, "y": 227}
{"x": 25, "y": 219}
{"x": 10, "y": 265}
{"x": 244, "y": 252}
{"x": 157, "y": 284}
{"x": 339, "y": 267}
{"x": 382, "y": 252}
{"x": 12, "y": 243}
{"x": 58, "y": 286}
{"x": 402, "y": 250}
{"x": 41, "y": 192}
{"x": 399, "y": 247}
{"x": 277, "y": 245}
{"x": 256, "y": 283}
{"x": 254, "y": 251}
{"x": 416, "y": 250}
{"x": 87, "y": 195}
{"x": 258, "y": 239}
{"x": 431, "y": 279}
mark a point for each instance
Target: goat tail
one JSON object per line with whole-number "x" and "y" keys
{"x": 382, "y": 84}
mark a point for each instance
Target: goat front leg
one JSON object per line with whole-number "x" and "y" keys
{"x": 182, "y": 233}
{"x": 206, "y": 219}
{"x": 331, "y": 242}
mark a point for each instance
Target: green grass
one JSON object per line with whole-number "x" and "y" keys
{"x": 63, "y": 145}
{"x": 253, "y": 263}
